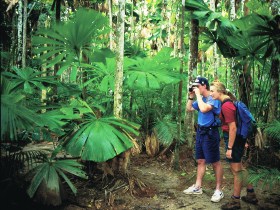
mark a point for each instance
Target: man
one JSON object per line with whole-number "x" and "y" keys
{"x": 207, "y": 138}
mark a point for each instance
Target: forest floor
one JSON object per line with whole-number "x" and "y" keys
{"x": 153, "y": 184}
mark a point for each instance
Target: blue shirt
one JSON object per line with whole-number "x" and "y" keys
{"x": 207, "y": 118}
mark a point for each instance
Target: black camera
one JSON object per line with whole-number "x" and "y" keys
{"x": 191, "y": 89}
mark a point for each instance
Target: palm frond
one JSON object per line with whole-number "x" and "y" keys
{"x": 50, "y": 171}
{"x": 196, "y": 5}
{"x": 151, "y": 73}
{"x": 16, "y": 117}
{"x": 269, "y": 177}
{"x": 273, "y": 130}
{"x": 69, "y": 41}
{"x": 101, "y": 139}
{"x": 28, "y": 79}
{"x": 167, "y": 131}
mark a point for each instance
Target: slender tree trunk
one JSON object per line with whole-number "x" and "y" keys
{"x": 24, "y": 34}
{"x": 245, "y": 87}
{"x": 132, "y": 25}
{"x": 275, "y": 7}
{"x": 179, "y": 114}
{"x": 194, "y": 31}
{"x": 57, "y": 20}
{"x": 169, "y": 14}
{"x": 232, "y": 61}
{"x": 19, "y": 44}
{"x": 119, "y": 59}
{"x": 273, "y": 110}
{"x": 215, "y": 54}
{"x": 121, "y": 162}
{"x": 111, "y": 24}
{"x": 13, "y": 49}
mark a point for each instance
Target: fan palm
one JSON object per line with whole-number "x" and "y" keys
{"x": 71, "y": 41}
{"x": 48, "y": 174}
{"x": 150, "y": 73}
{"x": 15, "y": 117}
{"x": 100, "y": 139}
{"x": 28, "y": 79}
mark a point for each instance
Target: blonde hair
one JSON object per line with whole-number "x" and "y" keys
{"x": 221, "y": 88}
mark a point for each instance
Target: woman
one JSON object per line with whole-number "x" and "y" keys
{"x": 235, "y": 145}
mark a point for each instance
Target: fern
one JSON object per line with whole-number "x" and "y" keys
{"x": 273, "y": 130}
{"x": 266, "y": 176}
{"x": 167, "y": 131}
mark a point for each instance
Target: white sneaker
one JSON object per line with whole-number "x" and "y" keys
{"x": 193, "y": 190}
{"x": 217, "y": 196}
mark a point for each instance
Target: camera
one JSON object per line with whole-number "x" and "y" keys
{"x": 191, "y": 89}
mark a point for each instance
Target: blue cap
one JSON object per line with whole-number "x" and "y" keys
{"x": 201, "y": 81}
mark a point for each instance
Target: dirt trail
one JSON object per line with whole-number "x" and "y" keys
{"x": 169, "y": 186}
{"x": 161, "y": 188}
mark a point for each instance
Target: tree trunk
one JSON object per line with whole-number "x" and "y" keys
{"x": 232, "y": 61}
{"x": 119, "y": 59}
{"x": 273, "y": 111}
{"x": 111, "y": 41}
{"x": 19, "y": 44}
{"x": 215, "y": 54}
{"x": 24, "y": 35}
{"x": 57, "y": 20}
{"x": 189, "y": 121}
{"x": 245, "y": 79}
{"x": 121, "y": 162}
{"x": 179, "y": 119}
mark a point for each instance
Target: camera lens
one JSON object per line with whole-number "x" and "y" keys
{"x": 190, "y": 89}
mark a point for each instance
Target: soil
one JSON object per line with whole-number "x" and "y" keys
{"x": 153, "y": 184}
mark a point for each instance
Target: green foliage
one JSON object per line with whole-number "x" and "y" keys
{"x": 15, "y": 117}
{"x": 28, "y": 79}
{"x": 273, "y": 130}
{"x": 150, "y": 73}
{"x": 70, "y": 42}
{"x": 268, "y": 177}
{"x": 50, "y": 171}
{"x": 269, "y": 32}
{"x": 14, "y": 161}
{"x": 105, "y": 72}
{"x": 167, "y": 131}
{"x": 259, "y": 7}
{"x": 196, "y": 5}
{"x": 100, "y": 139}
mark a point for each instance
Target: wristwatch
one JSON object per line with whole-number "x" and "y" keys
{"x": 229, "y": 148}
{"x": 190, "y": 98}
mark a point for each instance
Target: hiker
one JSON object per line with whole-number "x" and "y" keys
{"x": 207, "y": 137}
{"x": 235, "y": 146}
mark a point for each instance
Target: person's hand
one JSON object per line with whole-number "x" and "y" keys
{"x": 228, "y": 154}
{"x": 196, "y": 91}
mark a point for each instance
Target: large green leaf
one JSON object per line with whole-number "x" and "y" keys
{"x": 15, "y": 117}
{"x": 101, "y": 139}
{"x": 151, "y": 73}
{"x": 69, "y": 42}
{"x": 50, "y": 171}
{"x": 29, "y": 79}
{"x": 196, "y": 5}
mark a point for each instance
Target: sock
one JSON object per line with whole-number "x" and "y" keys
{"x": 250, "y": 190}
{"x": 235, "y": 197}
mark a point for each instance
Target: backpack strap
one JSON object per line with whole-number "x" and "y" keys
{"x": 224, "y": 101}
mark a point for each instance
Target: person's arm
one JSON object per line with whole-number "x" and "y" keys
{"x": 190, "y": 101}
{"x": 231, "y": 139}
{"x": 203, "y": 107}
